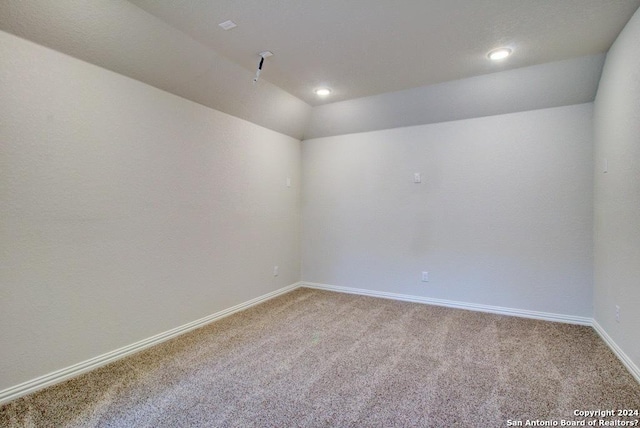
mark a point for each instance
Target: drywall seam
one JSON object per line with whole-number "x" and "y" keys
{"x": 58, "y": 376}
{"x": 524, "y": 313}
{"x": 633, "y": 369}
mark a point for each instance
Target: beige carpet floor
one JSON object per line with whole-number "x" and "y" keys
{"x": 320, "y": 359}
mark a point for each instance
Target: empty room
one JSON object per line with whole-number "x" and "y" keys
{"x": 319, "y": 213}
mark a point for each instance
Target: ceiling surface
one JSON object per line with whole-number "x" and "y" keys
{"x": 367, "y": 47}
{"x": 389, "y": 63}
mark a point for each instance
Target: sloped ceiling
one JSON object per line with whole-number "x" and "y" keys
{"x": 367, "y": 47}
{"x": 360, "y": 48}
{"x": 118, "y": 36}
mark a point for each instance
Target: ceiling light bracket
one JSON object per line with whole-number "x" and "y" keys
{"x": 263, "y": 55}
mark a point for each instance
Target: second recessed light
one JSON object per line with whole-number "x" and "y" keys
{"x": 498, "y": 54}
{"x": 322, "y": 92}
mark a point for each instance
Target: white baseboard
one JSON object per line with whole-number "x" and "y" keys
{"x": 633, "y": 369}
{"x": 524, "y": 313}
{"x": 547, "y": 316}
{"x": 33, "y": 385}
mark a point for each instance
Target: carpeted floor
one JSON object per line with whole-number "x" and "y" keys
{"x": 319, "y": 359}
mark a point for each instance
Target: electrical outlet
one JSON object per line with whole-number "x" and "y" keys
{"x": 275, "y": 271}
{"x": 617, "y": 313}
{"x": 425, "y": 276}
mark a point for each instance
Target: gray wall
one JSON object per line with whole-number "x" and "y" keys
{"x": 617, "y": 192}
{"x": 126, "y": 211}
{"x": 503, "y": 215}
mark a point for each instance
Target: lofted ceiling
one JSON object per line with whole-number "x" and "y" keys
{"x": 416, "y": 61}
{"x": 367, "y": 47}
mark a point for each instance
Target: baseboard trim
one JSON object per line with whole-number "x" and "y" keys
{"x": 524, "y": 313}
{"x": 61, "y": 375}
{"x": 547, "y": 316}
{"x": 633, "y": 369}
{"x": 58, "y": 376}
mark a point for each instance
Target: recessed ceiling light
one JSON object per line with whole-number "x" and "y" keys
{"x": 498, "y": 54}
{"x": 322, "y": 92}
{"x": 228, "y": 25}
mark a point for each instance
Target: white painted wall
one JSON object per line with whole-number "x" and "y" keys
{"x": 126, "y": 211}
{"x": 556, "y": 84}
{"x": 503, "y": 215}
{"x": 617, "y": 192}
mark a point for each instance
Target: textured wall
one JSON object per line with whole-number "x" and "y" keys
{"x": 617, "y": 192}
{"x": 126, "y": 211}
{"x": 503, "y": 215}
{"x": 121, "y": 37}
{"x": 554, "y": 84}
